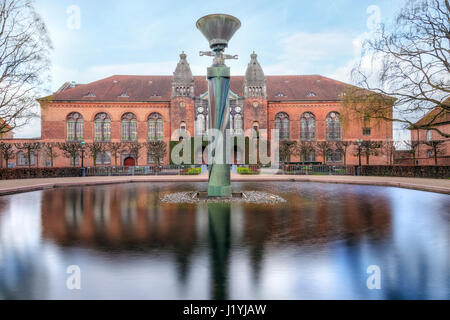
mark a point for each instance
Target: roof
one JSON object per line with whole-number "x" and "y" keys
{"x": 436, "y": 116}
{"x": 128, "y": 88}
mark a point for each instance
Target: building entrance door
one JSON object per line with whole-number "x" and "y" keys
{"x": 129, "y": 162}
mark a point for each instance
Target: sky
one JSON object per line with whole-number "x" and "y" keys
{"x": 97, "y": 39}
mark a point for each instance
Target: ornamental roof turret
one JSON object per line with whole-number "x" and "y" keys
{"x": 255, "y": 80}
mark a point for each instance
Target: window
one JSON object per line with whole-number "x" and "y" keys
{"x": 334, "y": 156}
{"x": 129, "y": 127}
{"x": 255, "y": 131}
{"x": 151, "y": 158}
{"x": 430, "y": 153}
{"x": 102, "y": 127}
{"x": 155, "y": 127}
{"x": 22, "y": 159}
{"x": 333, "y": 127}
{"x": 238, "y": 123}
{"x": 429, "y": 135}
{"x": 310, "y": 156}
{"x": 282, "y": 124}
{"x": 200, "y": 125}
{"x": 367, "y": 131}
{"x": 183, "y": 126}
{"x": 74, "y": 127}
{"x": 308, "y": 127}
{"x": 103, "y": 158}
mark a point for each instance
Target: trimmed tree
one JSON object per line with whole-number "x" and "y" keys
{"x": 115, "y": 148}
{"x": 436, "y": 148}
{"x": 49, "y": 149}
{"x": 412, "y": 146}
{"x": 70, "y": 150}
{"x": 94, "y": 149}
{"x": 7, "y": 152}
{"x": 157, "y": 149}
{"x": 287, "y": 148}
{"x": 322, "y": 147}
{"x": 344, "y": 147}
{"x": 371, "y": 148}
{"x": 303, "y": 149}
{"x": 29, "y": 148}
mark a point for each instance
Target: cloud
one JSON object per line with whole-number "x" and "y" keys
{"x": 312, "y": 53}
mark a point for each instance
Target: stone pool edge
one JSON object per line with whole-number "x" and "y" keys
{"x": 8, "y": 187}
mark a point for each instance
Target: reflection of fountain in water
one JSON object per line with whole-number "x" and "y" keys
{"x": 220, "y": 242}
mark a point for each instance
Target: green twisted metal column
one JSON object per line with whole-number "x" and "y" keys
{"x": 219, "y": 171}
{"x": 218, "y": 29}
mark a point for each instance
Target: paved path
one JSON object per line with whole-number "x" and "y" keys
{"x": 25, "y": 185}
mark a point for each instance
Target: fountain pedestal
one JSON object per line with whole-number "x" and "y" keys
{"x": 219, "y": 29}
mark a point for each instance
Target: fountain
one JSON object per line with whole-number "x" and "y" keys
{"x": 219, "y": 29}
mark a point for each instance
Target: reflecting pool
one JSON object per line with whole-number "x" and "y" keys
{"x": 318, "y": 245}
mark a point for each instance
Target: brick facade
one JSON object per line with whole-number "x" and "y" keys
{"x": 256, "y": 99}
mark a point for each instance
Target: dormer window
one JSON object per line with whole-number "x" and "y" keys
{"x": 155, "y": 95}
{"x": 90, "y": 95}
{"x": 311, "y": 94}
{"x": 124, "y": 95}
{"x": 280, "y": 94}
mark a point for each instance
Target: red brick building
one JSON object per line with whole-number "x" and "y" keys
{"x": 125, "y": 108}
{"x": 429, "y": 151}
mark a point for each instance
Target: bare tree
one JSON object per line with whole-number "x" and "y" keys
{"x": 344, "y": 147}
{"x": 30, "y": 149}
{"x": 115, "y": 148}
{"x": 94, "y": 149}
{"x": 412, "y": 146}
{"x": 371, "y": 148}
{"x": 24, "y": 61}
{"x": 390, "y": 147}
{"x": 323, "y": 147}
{"x": 7, "y": 152}
{"x": 406, "y": 66}
{"x": 49, "y": 149}
{"x": 303, "y": 149}
{"x": 157, "y": 149}
{"x": 287, "y": 148}
{"x": 70, "y": 150}
{"x": 436, "y": 148}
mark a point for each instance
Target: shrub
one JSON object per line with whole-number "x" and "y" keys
{"x": 244, "y": 170}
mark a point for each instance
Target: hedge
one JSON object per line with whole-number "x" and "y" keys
{"x": 437, "y": 172}
{"x": 33, "y": 173}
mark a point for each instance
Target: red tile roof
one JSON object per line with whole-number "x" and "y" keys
{"x": 159, "y": 88}
{"x": 436, "y": 116}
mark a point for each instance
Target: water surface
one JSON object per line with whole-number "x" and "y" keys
{"x": 318, "y": 245}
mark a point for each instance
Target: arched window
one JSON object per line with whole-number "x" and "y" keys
{"x": 22, "y": 159}
{"x": 103, "y": 158}
{"x": 200, "y": 125}
{"x": 129, "y": 127}
{"x": 334, "y": 156}
{"x": 282, "y": 124}
{"x": 183, "y": 126}
{"x": 238, "y": 124}
{"x": 255, "y": 130}
{"x": 102, "y": 127}
{"x": 155, "y": 127}
{"x": 310, "y": 156}
{"x": 308, "y": 127}
{"x": 333, "y": 127}
{"x": 75, "y": 127}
